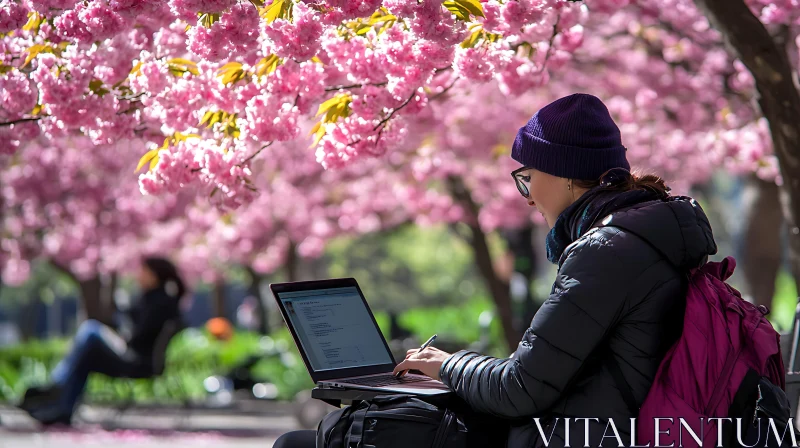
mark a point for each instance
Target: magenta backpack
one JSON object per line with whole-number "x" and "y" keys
{"x": 726, "y": 358}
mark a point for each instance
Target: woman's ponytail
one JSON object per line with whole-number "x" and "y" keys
{"x": 618, "y": 179}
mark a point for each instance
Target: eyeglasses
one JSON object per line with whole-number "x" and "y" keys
{"x": 522, "y": 181}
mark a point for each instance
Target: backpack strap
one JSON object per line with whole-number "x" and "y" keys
{"x": 356, "y": 433}
{"x": 622, "y": 385}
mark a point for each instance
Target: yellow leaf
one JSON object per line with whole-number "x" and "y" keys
{"x": 315, "y": 128}
{"x": 179, "y": 137}
{"x": 232, "y": 72}
{"x": 500, "y": 150}
{"x": 206, "y": 116}
{"x": 473, "y": 6}
{"x": 470, "y": 41}
{"x": 216, "y": 118}
{"x": 33, "y": 52}
{"x": 154, "y": 162}
{"x": 184, "y": 65}
{"x": 261, "y": 69}
{"x": 318, "y": 134}
{"x": 333, "y": 102}
{"x": 182, "y": 61}
{"x": 147, "y": 157}
{"x": 273, "y": 64}
{"x": 34, "y": 22}
{"x": 208, "y": 19}
{"x": 456, "y": 8}
{"x": 136, "y": 68}
{"x": 382, "y": 18}
{"x": 316, "y": 59}
{"x": 272, "y": 11}
{"x": 267, "y": 65}
{"x": 230, "y": 66}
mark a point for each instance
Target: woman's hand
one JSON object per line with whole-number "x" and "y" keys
{"x": 428, "y": 362}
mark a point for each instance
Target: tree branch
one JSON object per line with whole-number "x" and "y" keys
{"x": 134, "y": 98}
{"x": 445, "y": 90}
{"x": 389, "y": 117}
{"x": 382, "y": 124}
{"x": 355, "y": 86}
{"x": 20, "y": 120}
{"x": 256, "y": 153}
{"x": 550, "y": 44}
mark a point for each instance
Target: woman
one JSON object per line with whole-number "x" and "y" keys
{"x": 98, "y": 348}
{"x": 623, "y": 246}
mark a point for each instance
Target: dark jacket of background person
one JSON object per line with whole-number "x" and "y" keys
{"x": 614, "y": 295}
{"x": 149, "y": 315}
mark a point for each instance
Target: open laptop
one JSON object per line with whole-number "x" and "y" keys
{"x": 339, "y": 340}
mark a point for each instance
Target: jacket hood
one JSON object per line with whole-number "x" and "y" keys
{"x": 677, "y": 227}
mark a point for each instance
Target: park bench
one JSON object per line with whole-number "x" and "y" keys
{"x": 126, "y": 385}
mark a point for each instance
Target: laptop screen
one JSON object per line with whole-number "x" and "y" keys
{"x": 335, "y": 328}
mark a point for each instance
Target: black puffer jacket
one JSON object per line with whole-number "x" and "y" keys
{"x": 615, "y": 295}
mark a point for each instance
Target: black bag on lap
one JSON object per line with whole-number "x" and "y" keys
{"x": 389, "y": 421}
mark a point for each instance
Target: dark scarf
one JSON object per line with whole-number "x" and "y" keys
{"x": 579, "y": 217}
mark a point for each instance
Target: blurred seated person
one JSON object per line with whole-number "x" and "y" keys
{"x": 98, "y": 348}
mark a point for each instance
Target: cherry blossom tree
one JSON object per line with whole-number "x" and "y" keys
{"x": 224, "y": 80}
{"x": 770, "y": 53}
{"x": 70, "y": 202}
{"x": 408, "y": 108}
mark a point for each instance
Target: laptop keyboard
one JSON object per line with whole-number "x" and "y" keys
{"x": 384, "y": 380}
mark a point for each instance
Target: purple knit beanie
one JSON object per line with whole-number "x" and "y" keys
{"x": 573, "y": 137}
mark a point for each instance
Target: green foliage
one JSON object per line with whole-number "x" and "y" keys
{"x": 456, "y": 324}
{"x": 45, "y": 281}
{"x": 784, "y": 302}
{"x": 408, "y": 267}
{"x": 381, "y": 20}
{"x": 191, "y": 357}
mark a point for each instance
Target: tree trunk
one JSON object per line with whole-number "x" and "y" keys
{"x": 520, "y": 242}
{"x": 291, "y": 263}
{"x": 218, "y": 298}
{"x": 254, "y": 289}
{"x": 778, "y": 98}
{"x": 97, "y": 299}
{"x": 97, "y": 295}
{"x": 91, "y": 298}
{"x": 498, "y": 289}
{"x": 762, "y": 246}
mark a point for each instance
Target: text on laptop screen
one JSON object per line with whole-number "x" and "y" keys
{"x": 335, "y": 328}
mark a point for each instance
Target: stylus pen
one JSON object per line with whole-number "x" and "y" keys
{"x": 423, "y": 347}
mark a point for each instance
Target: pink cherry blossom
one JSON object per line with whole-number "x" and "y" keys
{"x": 12, "y": 16}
